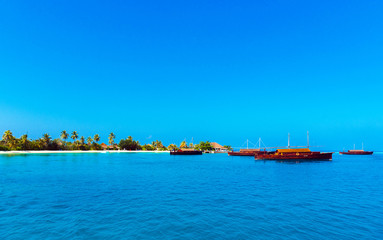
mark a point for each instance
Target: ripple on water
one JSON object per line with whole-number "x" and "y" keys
{"x": 155, "y": 196}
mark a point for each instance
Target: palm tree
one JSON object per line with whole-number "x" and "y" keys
{"x": 24, "y": 141}
{"x": 96, "y": 138}
{"x": 8, "y": 136}
{"x": 172, "y": 147}
{"x": 159, "y": 144}
{"x": 82, "y": 140}
{"x": 40, "y": 143}
{"x": 89, "y": 140}
{"x": 74, "y": 135}
{"x": 183, "y": 144}
{"x": 64, "y": 135}
{"x": 111, "y": 138}
{"x": 46, "y": 138}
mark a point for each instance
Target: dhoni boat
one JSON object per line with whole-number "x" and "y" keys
{"x": 289, "y": 153}
{"x": 356, "y": 152}
{"x": 186, "y": 151}
{"x": 246, "y": 151}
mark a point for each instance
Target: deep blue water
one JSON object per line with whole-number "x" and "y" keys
{"x": 157, "y": 196}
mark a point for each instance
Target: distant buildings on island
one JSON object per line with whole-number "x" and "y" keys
{"x": 218, "y": 148}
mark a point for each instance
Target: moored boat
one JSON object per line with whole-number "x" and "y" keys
{"x": 244, "y": 152}
{"x": 298, "y": 153}
{"x": 294, "y": 154}
{"x": 247, "y": 151}
{"x": 185, "y": 151}
{"x": 356, "y": 152}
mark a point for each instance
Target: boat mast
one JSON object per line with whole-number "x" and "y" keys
{"x": 247, "y": 143}
{"x": 362, "y": 145}
{"x": 354, "y": 146}
{"x": 308, "y": 140}
{"x": 259, "y": 143}
{"x": 288, "y": 141}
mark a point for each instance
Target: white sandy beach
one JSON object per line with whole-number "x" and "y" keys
{"x": 78, "y": 151}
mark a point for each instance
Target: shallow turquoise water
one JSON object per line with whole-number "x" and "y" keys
{"x": 157, "y": 196}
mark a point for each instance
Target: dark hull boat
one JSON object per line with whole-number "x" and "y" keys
{"x": 356, "y": 152}
{"x": 244, "y": 152}
{"x": 186, "y": 152}
{"x": 247, "y": 151}
{"x": 294, "y": 154}
{"x": 241, "y": 153}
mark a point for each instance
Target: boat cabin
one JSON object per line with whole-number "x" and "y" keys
{"x": 292, "y": 151}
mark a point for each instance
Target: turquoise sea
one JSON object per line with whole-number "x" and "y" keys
{"x": 213, "y": 196}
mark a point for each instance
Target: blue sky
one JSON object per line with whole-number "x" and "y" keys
{"x": 222, "y": 71}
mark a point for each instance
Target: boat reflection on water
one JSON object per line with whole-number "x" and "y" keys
{"x": 295, "y": 161}
{"x": 301, "y": 161}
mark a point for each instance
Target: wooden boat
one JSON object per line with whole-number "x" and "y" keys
{"x": 289, "y": 154}
{"x": 186, "y": 151}
{"x": 293, "y": 154}
{"x": 244, "y": 152}
{"x": 356, "y": 152}
{"x": 248, "y": 151}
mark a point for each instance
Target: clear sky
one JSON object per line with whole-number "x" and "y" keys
{"x": 223, "y": 71}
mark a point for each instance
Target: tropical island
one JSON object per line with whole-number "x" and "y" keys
{"x": 73, "y": 142}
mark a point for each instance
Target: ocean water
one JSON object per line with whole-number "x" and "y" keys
{"x": 214, "y": 196}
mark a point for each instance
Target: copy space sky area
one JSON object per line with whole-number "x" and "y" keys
{"x": 222, "y": 71}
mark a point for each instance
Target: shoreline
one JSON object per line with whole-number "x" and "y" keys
{"x": 78, "y": 151}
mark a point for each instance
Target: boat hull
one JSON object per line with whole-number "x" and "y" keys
{"x": 244, "y": 152}
{"x": 241, "y": 154}
{"x": 186, "y": 153}
{"x": 295, "y": 156}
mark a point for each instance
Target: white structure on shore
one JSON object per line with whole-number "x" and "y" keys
{"x": 218, "y": 148}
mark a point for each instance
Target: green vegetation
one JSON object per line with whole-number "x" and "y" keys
{"x": 4, "y": 148}
{"x": 45, "y": 142}
{"x": 183, "y": 144}
{"x": 157, "y": 145}
{"x": 111, "y": 138}
{"x": 204, "y": 146}
{"x": 96, "y": 138}
{"x": 129, "y": 144}
{"x": 172, "y": 147}
{"x": 228, "y": 147}
{"x": 74, "y": 135}
{"x": 64, "y": 135}
{"x": 148, "y": 147}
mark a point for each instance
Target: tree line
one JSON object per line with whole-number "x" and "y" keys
{"x": 45, "y": 142}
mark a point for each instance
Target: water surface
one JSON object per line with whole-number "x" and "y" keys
{"x": 213, "y": 196}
